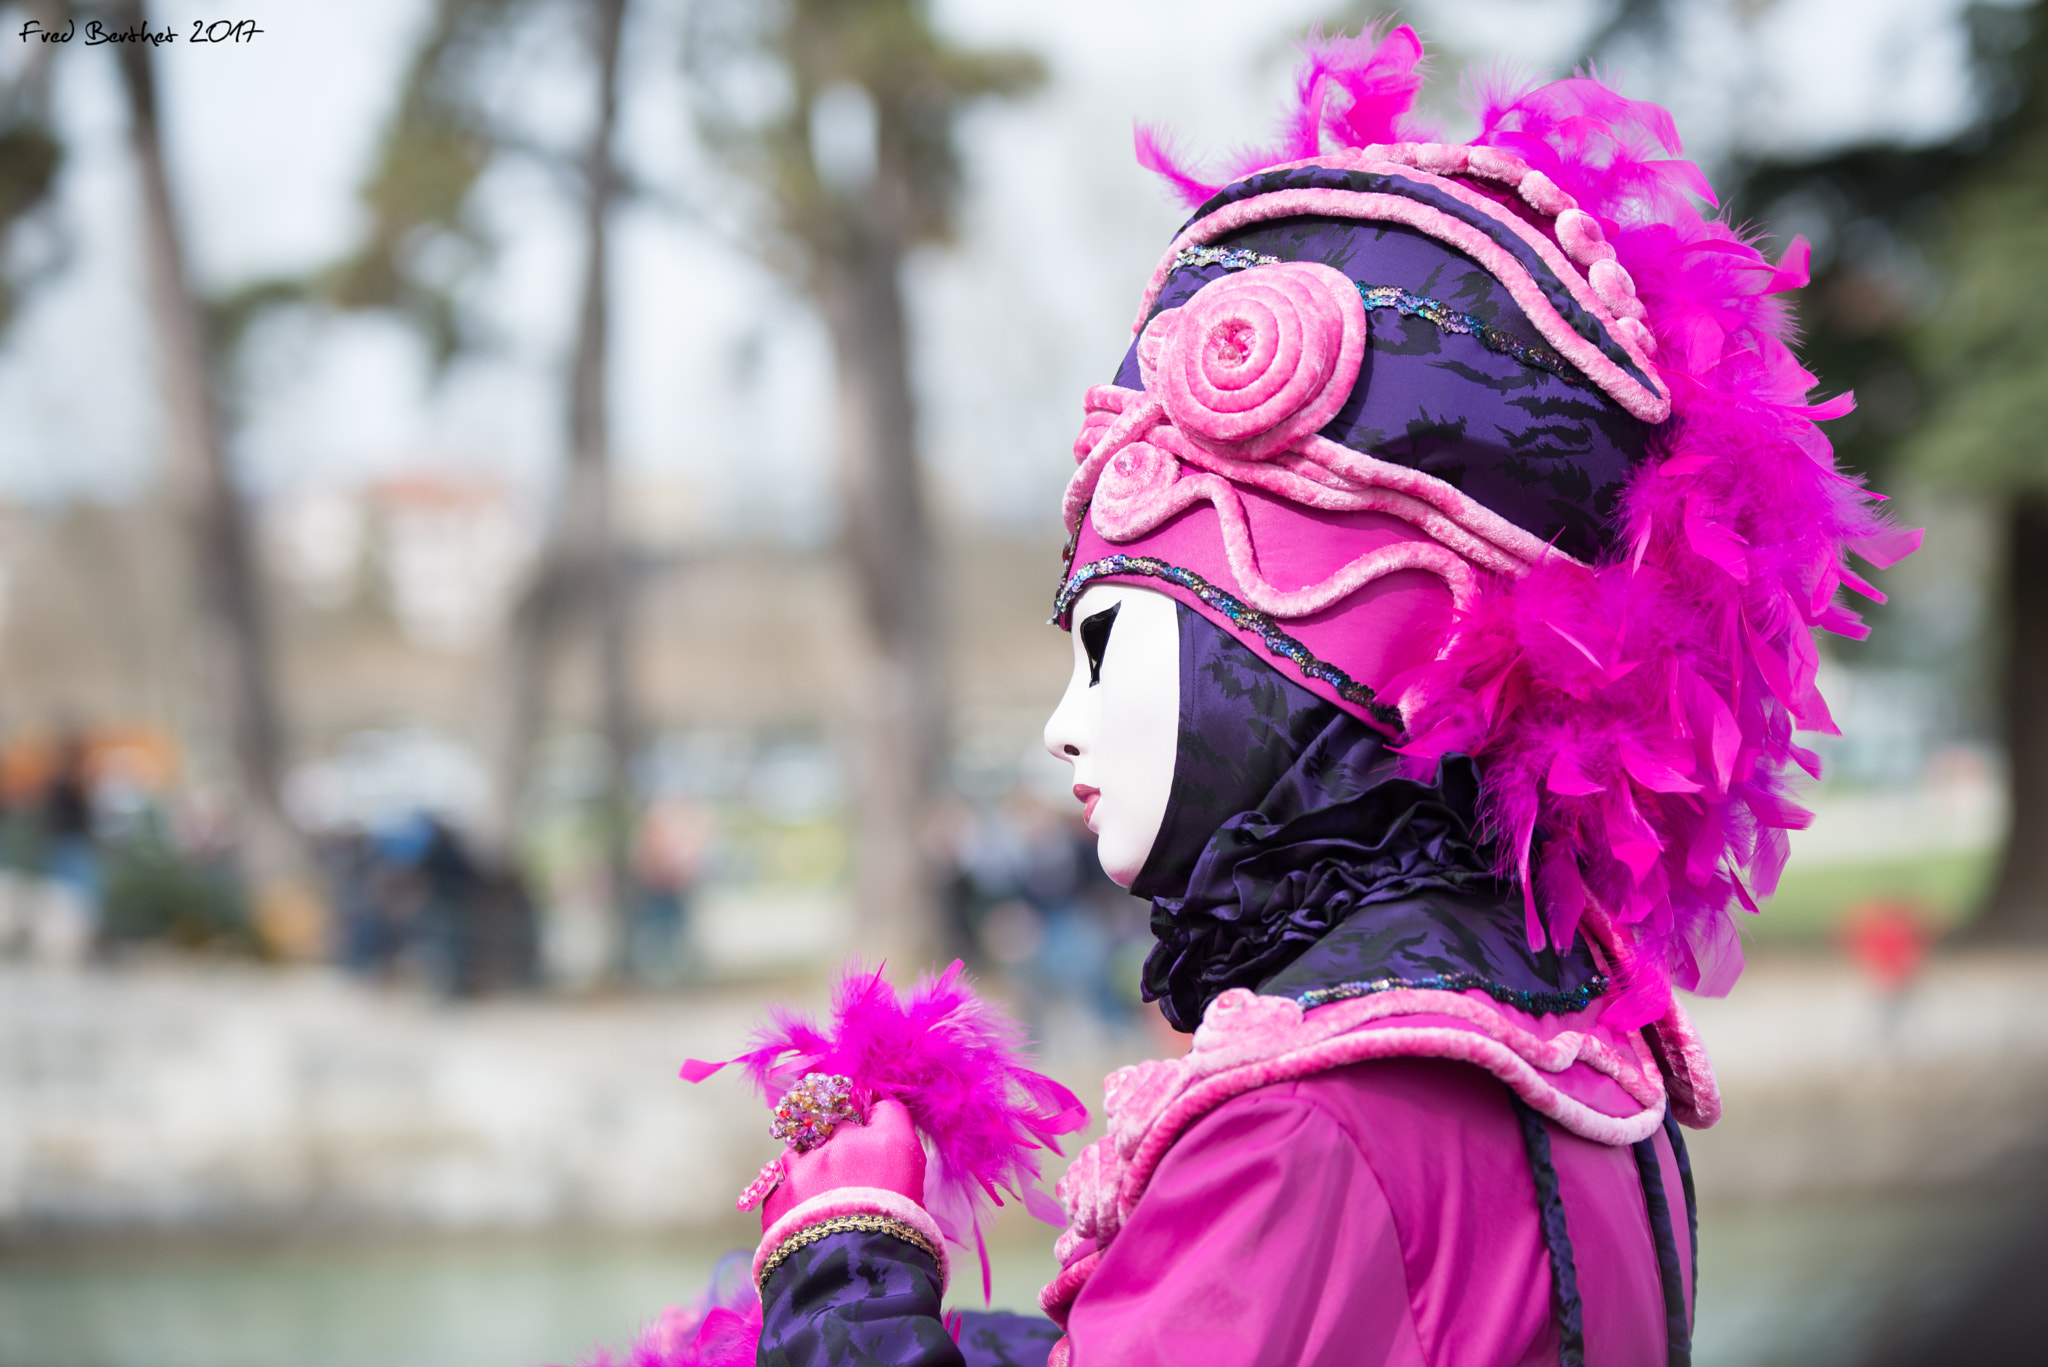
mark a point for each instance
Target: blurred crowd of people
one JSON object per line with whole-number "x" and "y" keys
{"x": 98, "y": 854}
{"x": 1026, "y": 901}
{"x": 50, "y": 868}
{"x": 411, "y": 899}
{"x": 101, "y": 853}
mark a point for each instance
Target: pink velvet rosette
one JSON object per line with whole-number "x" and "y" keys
{"x": 1140, "y": 488}
{"x": 1258, "y": 360}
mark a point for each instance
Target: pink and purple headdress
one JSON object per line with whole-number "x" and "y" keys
{"x": 1502, "y": 447}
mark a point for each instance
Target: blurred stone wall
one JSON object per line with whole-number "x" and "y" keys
{"x": 240, "y": 1097}
{"x": 1830, "y": 1086}
{"x": 193, "y": 1098}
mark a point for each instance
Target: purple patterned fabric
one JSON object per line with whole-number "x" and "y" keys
{"x": 992, "y": 1338}
{"x": 1375, "y": 182}
{"x": 1549, "y": 455}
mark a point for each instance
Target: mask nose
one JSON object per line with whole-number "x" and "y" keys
{"x": 1063, "y": 730}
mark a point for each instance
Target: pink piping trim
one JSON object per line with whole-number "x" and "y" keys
{"x": 1684, "y": 1063}
{"x": 855, "y": 1201}
{"x": 1294, "y": 481}
{"x": 1412, "y": 1042}
{"x": 1135, "y": 419}
{"x": 1467, "y": 512}
{"x": 1405, "y": 155}
{"x": 1312, "y": 471}
{"x": 1464, "y": 532}
{"x": 1059, "y": 1293}
{"x": 1646, "y": 403}
{"x": 1333, "y": 1036}
{"x": 1636, "y": 1076}
{"x": 1695, "y": 1092}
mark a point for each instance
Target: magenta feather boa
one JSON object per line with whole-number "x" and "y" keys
{"x": 722, "y": 1329}
{"x": 1635, "y": 721}
{"x": 956, "y": 1062}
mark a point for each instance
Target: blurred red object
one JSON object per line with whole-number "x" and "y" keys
{"x": 1888, "y": 939}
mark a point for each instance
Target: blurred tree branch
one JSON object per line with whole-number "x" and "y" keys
{"x": 841, "y": 117}
{"x": 423, "y": 242}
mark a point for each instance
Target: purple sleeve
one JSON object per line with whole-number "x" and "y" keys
{"x": 855, "y": 1299}
{"x": 1264, "y": 1236}
{"x": 993, "y": 1338}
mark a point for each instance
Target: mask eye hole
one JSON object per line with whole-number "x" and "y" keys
{"x": 1095, "y": 640}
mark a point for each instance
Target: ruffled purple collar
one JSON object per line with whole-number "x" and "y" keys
{"x": 1287, "y": 821}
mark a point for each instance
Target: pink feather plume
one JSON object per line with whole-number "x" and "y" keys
{"x": 1635, "y": 722}
{"x": 722, "y": 1329}
{"x": 957, "y": 1063}
{"x": 1351, "y": 91}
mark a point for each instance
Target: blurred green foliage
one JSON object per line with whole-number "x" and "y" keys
{"x": 423, "y": 238}
{"x": 757, "y": 68}
{"x": 30, "y": 154}
{"x": 1927, "y": 299}
{"x": 29, "y": 158}
{"x": 1984, "y": 348}
{"x": 152, "y": 891}
{"x": 1929, "y": 277}
{"x": 1811, "y": 903}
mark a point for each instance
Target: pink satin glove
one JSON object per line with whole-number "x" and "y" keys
{"x": 883, "y": 1153}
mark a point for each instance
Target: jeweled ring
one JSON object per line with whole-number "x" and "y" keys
{"x": 811, "y": 1110}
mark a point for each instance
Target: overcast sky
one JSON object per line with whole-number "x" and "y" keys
{"x": 722, "y": 377}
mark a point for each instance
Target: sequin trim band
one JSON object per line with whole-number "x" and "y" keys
{"x": 1240, "y": 613}
{"x": 844, "y": 1224}
{"x": 1408, "y": 306}
{"x": 1535, "y": 1003}
{"x": 1230, "y": 258}
{"x": 1471, "y": 324}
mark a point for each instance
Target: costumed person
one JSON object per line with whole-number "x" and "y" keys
{"x": 1445, "y": 563}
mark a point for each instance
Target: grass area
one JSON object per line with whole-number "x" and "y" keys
{"x": 1810, "y": 903}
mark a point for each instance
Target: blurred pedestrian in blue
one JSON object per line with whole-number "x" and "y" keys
{"x": 71, "y": 853}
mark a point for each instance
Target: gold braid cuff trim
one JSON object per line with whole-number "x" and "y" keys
{"x": 844, "y": 1224}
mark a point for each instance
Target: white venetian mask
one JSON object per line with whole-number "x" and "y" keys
{"x": 1119, "y": 723}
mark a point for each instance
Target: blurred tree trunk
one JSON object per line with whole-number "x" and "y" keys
{"x": 234, "y": 640}
{"x": 857, "y": 170}
{"x": 30, "y": 154}
{"x": 579, "y": 582}
{"x": 899, "y": 709}
{"x": 2017, "y": 910}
